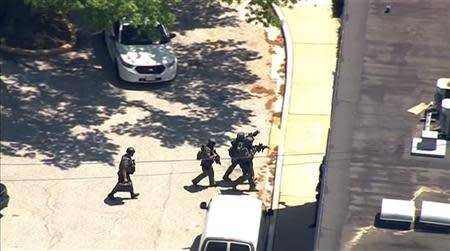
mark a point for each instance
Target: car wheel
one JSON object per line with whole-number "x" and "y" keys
{"x": 4, "y": 197}
{"x": 116, "y": 66}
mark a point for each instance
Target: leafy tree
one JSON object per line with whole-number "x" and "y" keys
{"x": 261, "y": 10}
{"x": 100, "y": 14}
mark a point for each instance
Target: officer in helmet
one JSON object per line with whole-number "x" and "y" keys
{"x": 245, "y": 153}
{"x": 127, "y": 167}
{"x": 233, "y": 154}
{"x": 207, "y": 156}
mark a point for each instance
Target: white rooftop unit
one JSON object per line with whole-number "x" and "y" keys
{"x": 435, "y": 213}
{"x": 444, "y": 117}
{"x": 397, "y": 210}
{"x": 442, "y": 92}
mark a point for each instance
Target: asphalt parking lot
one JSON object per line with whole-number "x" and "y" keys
{"x": 66, "y": 120}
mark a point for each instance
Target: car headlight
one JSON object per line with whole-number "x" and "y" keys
{"x": 125, "y": 63}
{"x": 171, "y": 63}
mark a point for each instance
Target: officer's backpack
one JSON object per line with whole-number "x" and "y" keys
{"x": 203, "y": 153}
{"x": 241, "y": 151}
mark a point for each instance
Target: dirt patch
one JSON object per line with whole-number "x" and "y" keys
{"x": 279, "y": 40}
{"x": 268, "y": 176}
{"x": 270, "y": 102}
{"x": 282, "y": 90}
{"x": 282, "y": 69}
{"x": 28, "y": 28}
{"x": 261, "y": 90}
{"x": 276, "y": 118}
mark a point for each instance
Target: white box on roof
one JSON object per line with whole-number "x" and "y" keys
{"x": 397, "y": 210}
{"x": 435, "y": 213}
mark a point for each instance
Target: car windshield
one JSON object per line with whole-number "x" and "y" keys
{"x": 132, "y": 35}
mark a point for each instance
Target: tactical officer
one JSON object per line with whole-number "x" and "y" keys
{"x": 232, "y": 151}
{"x": 245, "y": 152}
{"x": 207, "y": 156}
{"x": 127, "y": 167}
{"x": 233, "y": 154}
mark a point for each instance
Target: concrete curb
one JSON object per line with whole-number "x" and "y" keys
{"x": 284, "y": 114}
{"x": 43, "y": 52}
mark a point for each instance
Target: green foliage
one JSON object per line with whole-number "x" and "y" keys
{"x": 100, "y": 14}
{"x": 261, "y": 10}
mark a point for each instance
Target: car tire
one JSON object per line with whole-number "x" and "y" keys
{"x": 4, "y": 197}
{"x": 116, "y": 68}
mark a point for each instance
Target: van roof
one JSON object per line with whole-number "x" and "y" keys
{"x": 235, "y": 217}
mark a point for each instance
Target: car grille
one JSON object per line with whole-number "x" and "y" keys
{"x": 156, "y": 69}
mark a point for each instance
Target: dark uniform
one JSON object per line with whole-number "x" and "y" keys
{"x": 233, "y": 154}
{"x": 245, "y": 152}
{"x": 126, "y": 168}
{"x": 232, "y": 151}
{"x": 207, "y": 156}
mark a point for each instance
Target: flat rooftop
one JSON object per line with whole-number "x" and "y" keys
{"x": 389, "y": 63}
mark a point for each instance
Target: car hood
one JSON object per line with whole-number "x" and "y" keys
{"x": 147, "y": 54}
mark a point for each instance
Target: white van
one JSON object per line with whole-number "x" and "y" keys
{"x": 234, "y": 223}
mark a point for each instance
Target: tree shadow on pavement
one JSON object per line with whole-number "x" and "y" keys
{"x": 50, "y": 106}
{"x": 54, "y": 106}
{"x": 208, "y": 14}
{"x": 209, "y": 83}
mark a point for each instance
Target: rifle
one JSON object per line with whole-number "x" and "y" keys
{"x": 133, "y": 166}
{"x": 260, "y": 147}
{"x": 253, "y": 134}
{"x": 216, "y": 157}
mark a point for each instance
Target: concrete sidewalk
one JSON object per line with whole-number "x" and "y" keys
{"x": 314, "y": 35}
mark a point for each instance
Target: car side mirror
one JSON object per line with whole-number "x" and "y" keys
{"x": 203, "y": 205}
{"x": 172, "y": 35}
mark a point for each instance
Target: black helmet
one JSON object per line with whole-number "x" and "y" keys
{"x": 211, "y": 143}
{"x": 130, "y": 150}
{"x": 240, "y": 136}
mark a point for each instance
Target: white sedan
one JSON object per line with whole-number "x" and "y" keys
{"x": 142, "y": 55}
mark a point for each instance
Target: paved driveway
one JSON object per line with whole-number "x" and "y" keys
{"x": 65, "y": 121}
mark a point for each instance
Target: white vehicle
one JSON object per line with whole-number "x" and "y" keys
{"x": 142, "y": 55}
{"x": 234, "y": 223}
